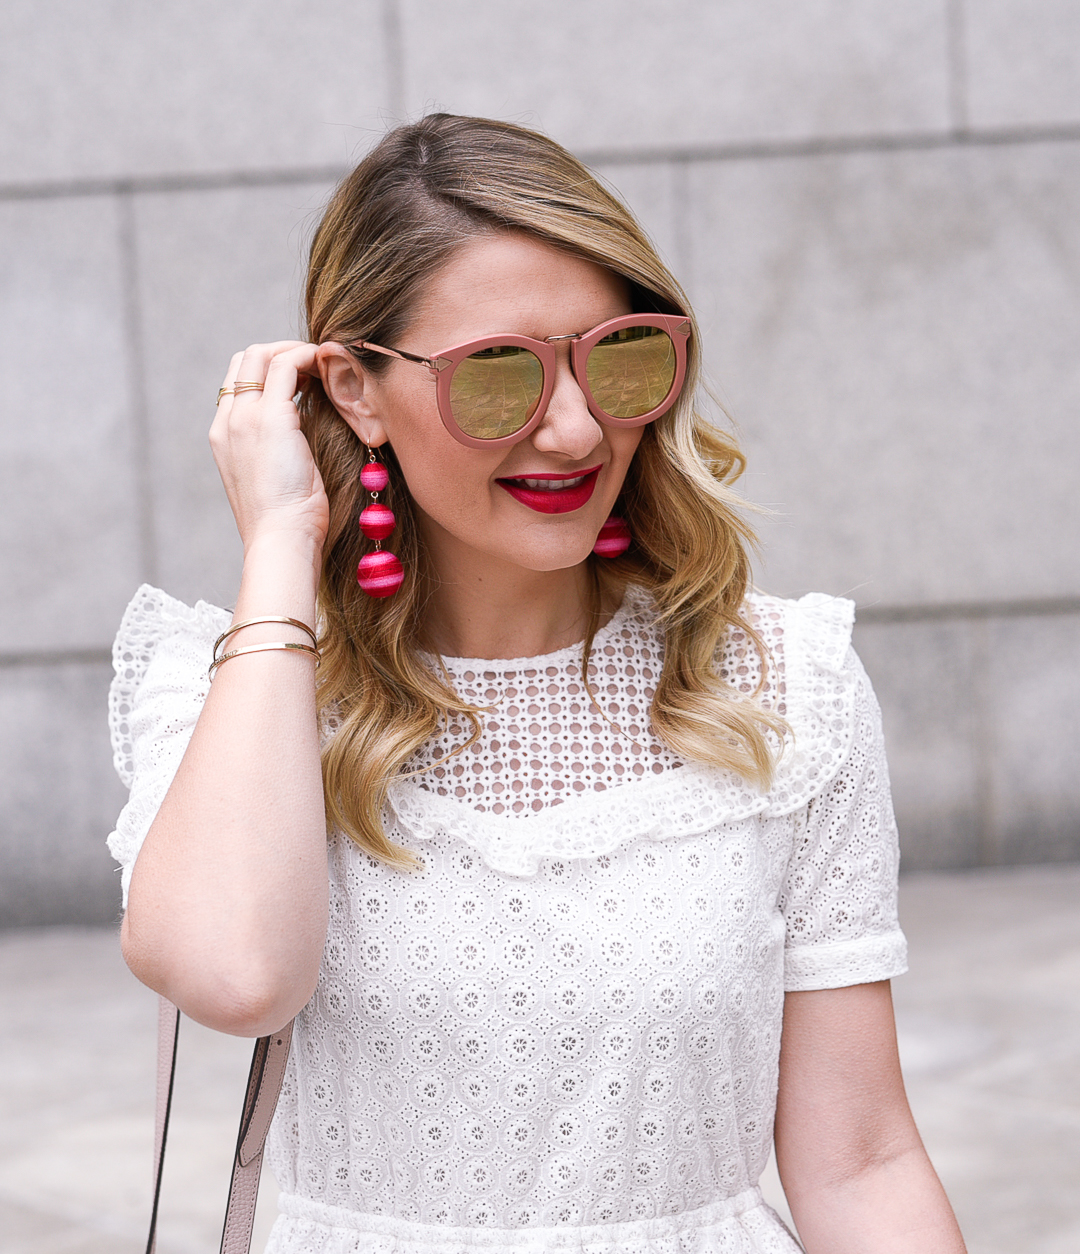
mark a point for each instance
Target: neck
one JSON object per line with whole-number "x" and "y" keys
{"x": 483, "y": 608}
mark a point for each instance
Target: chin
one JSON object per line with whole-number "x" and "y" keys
{"x": 533, "y": 543}
{"x": 559, "y": 555}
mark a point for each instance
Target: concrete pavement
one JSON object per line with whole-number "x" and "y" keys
{"x": 990, "y": 1033}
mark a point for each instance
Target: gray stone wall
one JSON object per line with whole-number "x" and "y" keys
{"x": 874, "y": 207}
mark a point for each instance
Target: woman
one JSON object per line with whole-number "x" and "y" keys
{"x": 570, "y": 909}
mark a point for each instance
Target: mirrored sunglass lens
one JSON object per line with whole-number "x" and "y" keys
{"x": 630, "y": 372}
{"x": 495, "y": 392}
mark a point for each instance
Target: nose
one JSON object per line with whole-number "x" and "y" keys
{"x": 567, "y": 427}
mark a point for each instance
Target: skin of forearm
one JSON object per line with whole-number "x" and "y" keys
{"x": 228, "y": 905}
{"x": 854, "y": 1169}
{"x": 895, "y": 1207}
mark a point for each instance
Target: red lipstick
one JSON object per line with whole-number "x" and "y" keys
{"x": 553, "y": 500}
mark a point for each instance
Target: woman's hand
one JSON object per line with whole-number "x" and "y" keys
{"x": 265, "y": 464}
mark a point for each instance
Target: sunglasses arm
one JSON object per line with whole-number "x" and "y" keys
{"x": 433, "y": 364}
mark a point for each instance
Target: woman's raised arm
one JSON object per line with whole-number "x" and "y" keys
{"x": 227, "y": 908}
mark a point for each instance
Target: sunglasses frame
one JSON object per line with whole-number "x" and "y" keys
{"x": 442, "y": 366}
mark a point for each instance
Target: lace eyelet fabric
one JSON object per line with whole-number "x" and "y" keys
{"x": 563, "y": 1032}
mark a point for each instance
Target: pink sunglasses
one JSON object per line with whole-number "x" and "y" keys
{"x": 496, "y": 389}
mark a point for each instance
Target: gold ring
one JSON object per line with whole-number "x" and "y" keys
{"x": 225, "y": 391}
{"x": 246, "y": 385}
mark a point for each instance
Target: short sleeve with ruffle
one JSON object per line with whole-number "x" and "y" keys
{"x": 839, "y": 894}
{"x": 160, "y": 659}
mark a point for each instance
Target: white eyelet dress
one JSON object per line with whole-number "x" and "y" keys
{"x": 562, "y": 1034}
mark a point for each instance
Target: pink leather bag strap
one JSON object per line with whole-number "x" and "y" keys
{"x": 168, "y": 1032}
{"x": 263, "y": 1087}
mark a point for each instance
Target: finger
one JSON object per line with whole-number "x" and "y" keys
{"x": 284, "y": 370}
{"x": 234, "y": 366}
{"x": 224, "y": 395}
{"x": 265, "y": 410}
{"x": 254, "y": 363}
{"x": 259, "y": 356}
{"x": 280, "y": 378}
{"x": 250, "y": 368}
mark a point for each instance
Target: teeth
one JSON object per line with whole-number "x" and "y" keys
{"x": 551, "y": 485}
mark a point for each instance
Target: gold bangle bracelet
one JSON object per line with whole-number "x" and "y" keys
{"x": 254, "y": 622}
{"x": 274, "y": 646}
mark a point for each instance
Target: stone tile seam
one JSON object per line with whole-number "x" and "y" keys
{"x": 54, "y": 657}
{"x": 227, "y": 180}
{"x": 867, "y": 615}
{"x": 139, "y": 402}
{"x": 946, "y": 611}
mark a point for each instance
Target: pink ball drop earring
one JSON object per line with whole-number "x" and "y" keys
{"x": 614, "y": 538}
{"x": 379, "y": 574}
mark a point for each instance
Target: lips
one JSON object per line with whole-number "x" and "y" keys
{"x": 554, "y": 499}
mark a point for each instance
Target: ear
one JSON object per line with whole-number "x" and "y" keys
{"x": 352, "y": 390}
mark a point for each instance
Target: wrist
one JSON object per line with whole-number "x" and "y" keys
{"x": 295, "y": 554}
{"x": 281, "y": 577}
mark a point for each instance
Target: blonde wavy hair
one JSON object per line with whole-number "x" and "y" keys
{"x": 424, "y": 190}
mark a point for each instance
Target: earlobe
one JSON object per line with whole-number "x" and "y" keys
{"x": 349, "y": 388}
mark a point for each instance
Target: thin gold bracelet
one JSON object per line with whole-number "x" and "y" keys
{"x": 274, "y": 646}
{"x": 254, "y": 622}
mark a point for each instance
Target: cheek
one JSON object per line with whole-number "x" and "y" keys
{"x": 447, "y": 485}
{"x": 624, "y": 444}
{"x": 446, "y": 480}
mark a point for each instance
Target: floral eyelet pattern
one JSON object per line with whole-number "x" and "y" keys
{"x": 563, "y": 1033}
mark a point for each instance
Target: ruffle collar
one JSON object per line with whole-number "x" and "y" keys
{"x": 819, "y": 695}
{"x": 684, "y": 801}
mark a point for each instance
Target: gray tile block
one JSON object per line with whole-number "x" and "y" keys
{"x": 1022, "y": 61}
{"x": 927, "y": 679}
{"x": 622, "y": 75}
{"x": 77, "y": 1108}
{"x": 1034, "y": 686}
{"x": 143, "y": 89}
{"x": 217, "y": 271}
{"x": 989, "y": 1033}
{"x": 895, "y": 333}
{"x": 981, "y": 727}
{"x": 69, "y": 528}
{"x": 60, "y": 796}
